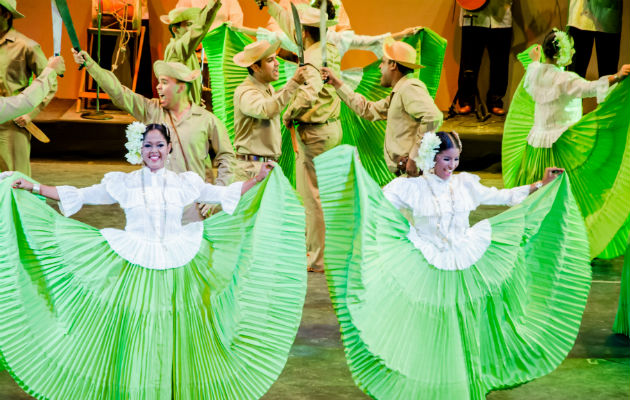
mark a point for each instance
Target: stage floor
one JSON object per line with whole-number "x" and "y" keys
{"x": 598, "y": 367}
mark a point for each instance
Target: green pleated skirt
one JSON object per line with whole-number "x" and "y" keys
{"x": 80, "y": 322}
{"x": 595, "y": 152}
{"x": 412, "y": 331}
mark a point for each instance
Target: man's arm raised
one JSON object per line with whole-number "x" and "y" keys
{"x": 138, "y": 106}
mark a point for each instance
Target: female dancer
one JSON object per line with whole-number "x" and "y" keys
{"x": 437, "y": 309}
{"x": 545, "y": 127}
{"x": 159, "y": 310}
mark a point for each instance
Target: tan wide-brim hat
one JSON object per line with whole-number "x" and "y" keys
{"x": 175, "y": 70}
{"x": 180, "y": 14}
{"x": 12, "y": 7}
{"x": 401, "y": 52}
{"x": 309, "y": 16}
{"x": 255, "y": 51}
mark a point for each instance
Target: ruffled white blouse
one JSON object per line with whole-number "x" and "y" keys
{"x": 558, "y": 95}
{"x": 154, "y": 202}
{"x": 440, "y": 210}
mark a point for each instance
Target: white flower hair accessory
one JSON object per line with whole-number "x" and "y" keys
{"x": 564, "y": 43}
{"x": 134, "y": 133}
{"x": 429, "y": 145}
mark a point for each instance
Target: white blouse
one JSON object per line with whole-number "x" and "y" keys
{"x": 440, "y": 210}
{"x": 558, "y": 95}
{"x": 154, "y": 236}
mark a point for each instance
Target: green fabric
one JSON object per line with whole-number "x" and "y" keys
{"x": 223, "y": 43}
{"x": 595, "y": 151}
{"x": 80, "y": 322}
{"x": 412, "y": 331}
{"x": 622, "y": 320}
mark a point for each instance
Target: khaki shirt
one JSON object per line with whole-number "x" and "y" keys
{"x": 257, "y": 110}
{"x": 182, "y": 49}
{"x": 23, "y": 103}
{"x": 343, "y": 21}
{"x": 409, "y": 111}
{"x": 596, "y": 15}
{"x": 497, "y": 14}
{"x": 230, "y": 11}
{"x": 200, "y": 131}
{"x": 316, "y": 102}
{"x": 20, "y": 58}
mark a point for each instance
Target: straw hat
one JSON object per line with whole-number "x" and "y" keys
{"x": 309, "y": 16}
{"x": 401, "y": 52}
{"x": 255, "y": 51}
{"x": 180, "y": 14}
{"x": 175, "y": 70}
{"x": 11, "y": 7}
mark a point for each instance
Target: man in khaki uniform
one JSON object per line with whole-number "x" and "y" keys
{"x": 409, "y": 109}
{"x": 230, "y": 11}
{"x": 20, "y": 58}
{"x": 195, "y": 131}
{"x": 257, "y": 107}
{"x": 189, "y": 26}
{"x": 315, "y": 111}
{"x": 34, "y": 94}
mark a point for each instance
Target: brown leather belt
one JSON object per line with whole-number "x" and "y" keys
{"x": 252, "y": 157}
{"x": 300, "y": 123}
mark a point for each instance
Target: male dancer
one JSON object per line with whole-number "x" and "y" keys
{"x": 20, "y": 58}
{"x": 189, "y": 26}
{"x": 20, "y": 104}
{"x": 257, "y": 107}
{"x": 409, "y": 109}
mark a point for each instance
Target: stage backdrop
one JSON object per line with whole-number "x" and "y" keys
{"x": 532, "y": 20}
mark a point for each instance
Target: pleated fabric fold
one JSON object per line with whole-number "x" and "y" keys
{"x": 412, "y": 331}
{"x": 622, "y": 319}
{"x": 222, "y": 43}
{"x": 595, "y": 152}
{"x": 80, "y": 322}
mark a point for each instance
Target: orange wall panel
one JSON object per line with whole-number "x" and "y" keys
{"x": 532, "y": 20}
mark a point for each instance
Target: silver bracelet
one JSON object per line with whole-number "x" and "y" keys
{"x": 538, "y": 185}
{"x": 36, "y": 188}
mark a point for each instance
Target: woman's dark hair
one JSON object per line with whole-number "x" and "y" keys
{"x": 163, "y": 129}
{"x": 550, "y": 46}
{"x": 448, "y": 140}
{"x": 330, "y": 8}
{"x": 313, "y": 31}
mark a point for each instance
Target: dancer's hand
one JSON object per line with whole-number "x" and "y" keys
{"x": 300, "y": 75}
{"x": 22, "y": 120}
{"x": 205, "y": 209}
{"x": 406, "y": 32}
{"x": 551, "y": 173}
{"x": 265, "y": 168}
{"x": 82, "y": 57}
{"x": 287, "y": 121}
{"x": 329, "y": 76}
{"x": 23, "y": 184}
{"x": 412, "y": 168}
{"x": 623, "y": 73}
{"x": 534, "y": 53}
{"x": 58, "y": 64}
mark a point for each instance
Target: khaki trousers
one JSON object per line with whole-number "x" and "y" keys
{"x": 313, "y": 140}
{"x": 15, "y": 148}
{"x": 246, "y": 170}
